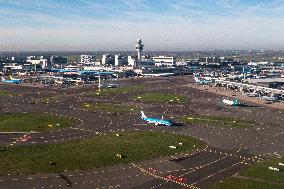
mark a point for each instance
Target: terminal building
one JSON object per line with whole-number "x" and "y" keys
{"x": 42, "y": 61}
{"x": 145, "y": 64}
{"x": 168, "y": 61}
{"x": 11, "y": 67}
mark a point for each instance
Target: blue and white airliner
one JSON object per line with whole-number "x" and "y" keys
{"x": 231, "y": 102}
{"x": 11, "y": 80}
{"x": 157, "y": 121}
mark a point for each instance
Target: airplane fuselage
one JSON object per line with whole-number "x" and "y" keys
{"x": 12, "y": 81}
{"x": 230, "y": 102}
{"x": 158, "y": 121}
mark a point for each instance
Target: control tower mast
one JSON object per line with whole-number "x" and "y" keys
{"x": 139, "y": 47}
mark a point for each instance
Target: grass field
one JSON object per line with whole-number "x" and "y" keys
{"x": 162, "y": 98}
{"x": 111, "y": 108}
{"x": 7, "y": 93}
{"x": 261, "y": 171}
{"x": 45, "y": 100}
{"x": 40, "y": 122}
{"x": 218, "y": 121}
{"x": 118, "y": 90}
{"x": 98, "y": 151}
{"x": 257, "y": 176}
{"x": 234, "y": 183}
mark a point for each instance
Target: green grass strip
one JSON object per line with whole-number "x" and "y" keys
{"x": 118, "y": 90}
{"x": 39, "y": 122}
{"x": 7, "y": 93}
{"x": 218, "y": 121}
{"x": 111, "y": 108}
{"x": 162, "y": 98}
{"x": 235, "y": 183}
{"x": 98, "y": 151}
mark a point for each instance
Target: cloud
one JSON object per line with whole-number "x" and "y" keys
{"x": 183, "y": 25}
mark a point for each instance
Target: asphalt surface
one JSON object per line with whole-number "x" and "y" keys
{"x": 229, "y": 150}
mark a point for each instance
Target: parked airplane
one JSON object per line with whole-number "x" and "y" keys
{"x": 11, "y": 80}
{"x": 202, "y": 79}
{"x": 251, "y": 94}
{"x": 157, "y": 121}
{"x": 203, "y": 82}
{"x": 269, "y": 99}
{"x": 108, "y": 85}
{"x": 77, "y": 81}
{"x": 231, "y": 102}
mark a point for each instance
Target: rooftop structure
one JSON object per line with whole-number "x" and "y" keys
{"x": 86, "y": 59}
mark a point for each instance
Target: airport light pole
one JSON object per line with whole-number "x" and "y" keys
{"x": 244, "y": 72}
{"x": 99, "y": 81}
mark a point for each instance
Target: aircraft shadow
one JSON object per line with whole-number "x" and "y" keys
{"x": 249, "y": 106}
{"x": 178, "y": 124}
{"x": 69, "y": 183}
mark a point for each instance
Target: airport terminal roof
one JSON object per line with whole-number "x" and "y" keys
{"x": 267, "y": 80}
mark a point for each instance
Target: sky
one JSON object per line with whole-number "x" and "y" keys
{"x": 110, "y": 25}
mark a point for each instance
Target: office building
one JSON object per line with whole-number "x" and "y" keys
{"x": 131, "y": 61}
{"x": 107, "y": 59}
{"x": 120, "y": 60}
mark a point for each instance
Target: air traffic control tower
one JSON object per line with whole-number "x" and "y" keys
{"x": 139, "y": 47}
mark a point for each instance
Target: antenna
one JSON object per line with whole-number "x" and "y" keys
{"x": 99, "y": 81}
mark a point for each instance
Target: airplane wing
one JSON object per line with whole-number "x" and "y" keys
{"x": 151, "y": 121}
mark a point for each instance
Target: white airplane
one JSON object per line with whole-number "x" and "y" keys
{"x": 251, "y": 94}
{"x": 231, "y": 102}
{"x": 75, "y": 81}
{"x": 269, "y": 99}
{"x": 202, "y": 79}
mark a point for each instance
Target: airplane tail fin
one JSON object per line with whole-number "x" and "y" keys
{"x": 3, "y": 79}
{"x": 10, "y": 77}
{"x": 143, "y": 115}
{"x": 236, "y": 102}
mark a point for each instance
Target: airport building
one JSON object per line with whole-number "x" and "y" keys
{"x": 42, "y": 61}
{"x": 167, "y": 61}
{"x": 120, "y": 60}
{"x": 11, "y": 67}
{"x": 87, "y": 59}
{"x": 107, "y": 59}
{"x": 131, "y": 61}
{"x": 145, "y": 64}
{"x": 279, "y": 64}
{"x": 58, "y": 60}
{"x": 139, "y": 48}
